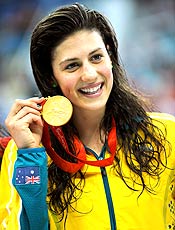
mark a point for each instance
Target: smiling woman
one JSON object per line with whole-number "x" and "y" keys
{"x": 84, "y": 73}
{"x": 109, "y": 162}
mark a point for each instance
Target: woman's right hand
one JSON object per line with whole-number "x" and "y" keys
{"x": 24, "y": 122}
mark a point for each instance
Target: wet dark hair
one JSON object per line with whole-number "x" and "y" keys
{"x": 52, "y": 30}
{"x": 139, "y": 140}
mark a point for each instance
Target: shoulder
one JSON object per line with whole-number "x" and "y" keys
{"x": 10, "y": 151}
{"x": 166, "y": 123}
{"x": 164, "y": 118}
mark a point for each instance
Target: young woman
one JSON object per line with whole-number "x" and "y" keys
{"x": 111, "y": 166}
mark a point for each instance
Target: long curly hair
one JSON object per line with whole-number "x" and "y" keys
{"x": 139, "y": 140}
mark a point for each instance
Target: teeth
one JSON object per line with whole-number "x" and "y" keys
{"x": 91, "y": 90}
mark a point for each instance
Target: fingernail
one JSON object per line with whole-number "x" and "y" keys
{"x": 39, "y": 106}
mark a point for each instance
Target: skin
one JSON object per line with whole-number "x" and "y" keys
{"x": 84, "y": 73}
{"x": 24, "y": 122}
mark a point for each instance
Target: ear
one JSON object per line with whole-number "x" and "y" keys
{"x": 109, "y": 50}
{"x": 110, "y": 54}
{"x": 52, "y": 82}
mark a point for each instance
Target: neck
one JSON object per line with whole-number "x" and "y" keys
{"x": 88, "y": 126}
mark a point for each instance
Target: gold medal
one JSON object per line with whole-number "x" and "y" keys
{"x": 57, "y": 110}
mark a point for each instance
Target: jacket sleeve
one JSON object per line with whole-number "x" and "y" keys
{"x": 23, "y": 189}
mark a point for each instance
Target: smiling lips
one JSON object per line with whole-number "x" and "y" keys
{"x": 91, "y": 90}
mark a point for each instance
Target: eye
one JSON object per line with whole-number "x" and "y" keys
{"x": 72, "y": 66}
{"x": 97, "y": 58}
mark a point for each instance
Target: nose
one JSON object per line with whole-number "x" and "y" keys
{"x": 89, "y": 72}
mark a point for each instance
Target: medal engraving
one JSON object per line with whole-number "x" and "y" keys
{"x": 57, "y": 110}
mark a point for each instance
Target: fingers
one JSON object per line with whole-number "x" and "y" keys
{"x": 24, "y": 122}
{"x": 29, "y": 103}
{"x": 23, "y": 107}
{"x": 24, "y": 111}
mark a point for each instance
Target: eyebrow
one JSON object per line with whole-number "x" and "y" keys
{"x": 74, "y": 59}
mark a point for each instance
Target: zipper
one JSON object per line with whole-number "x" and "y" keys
{"x": 106, "y": 187}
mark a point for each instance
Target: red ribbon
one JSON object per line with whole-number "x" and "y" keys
{"x": 3, "y": 144}
{"x": 72, "y": 167}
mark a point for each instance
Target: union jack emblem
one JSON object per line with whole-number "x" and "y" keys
{"x": 28, "y": 175}
{"x": 32, "y": 180}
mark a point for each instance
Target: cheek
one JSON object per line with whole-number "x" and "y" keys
{"x": 107, "y": 72}
{"x": 67, "y": 86}
{"x": 110, "y": 80}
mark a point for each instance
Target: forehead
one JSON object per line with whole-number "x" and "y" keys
{"x": 83, "y": 40}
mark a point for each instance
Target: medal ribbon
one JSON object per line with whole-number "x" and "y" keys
{"x": 72, "y": 167}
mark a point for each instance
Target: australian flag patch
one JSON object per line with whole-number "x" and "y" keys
{"x": 27, "y": 175}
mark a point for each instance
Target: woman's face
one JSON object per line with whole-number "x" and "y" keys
{"x": 83, "y": 70}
